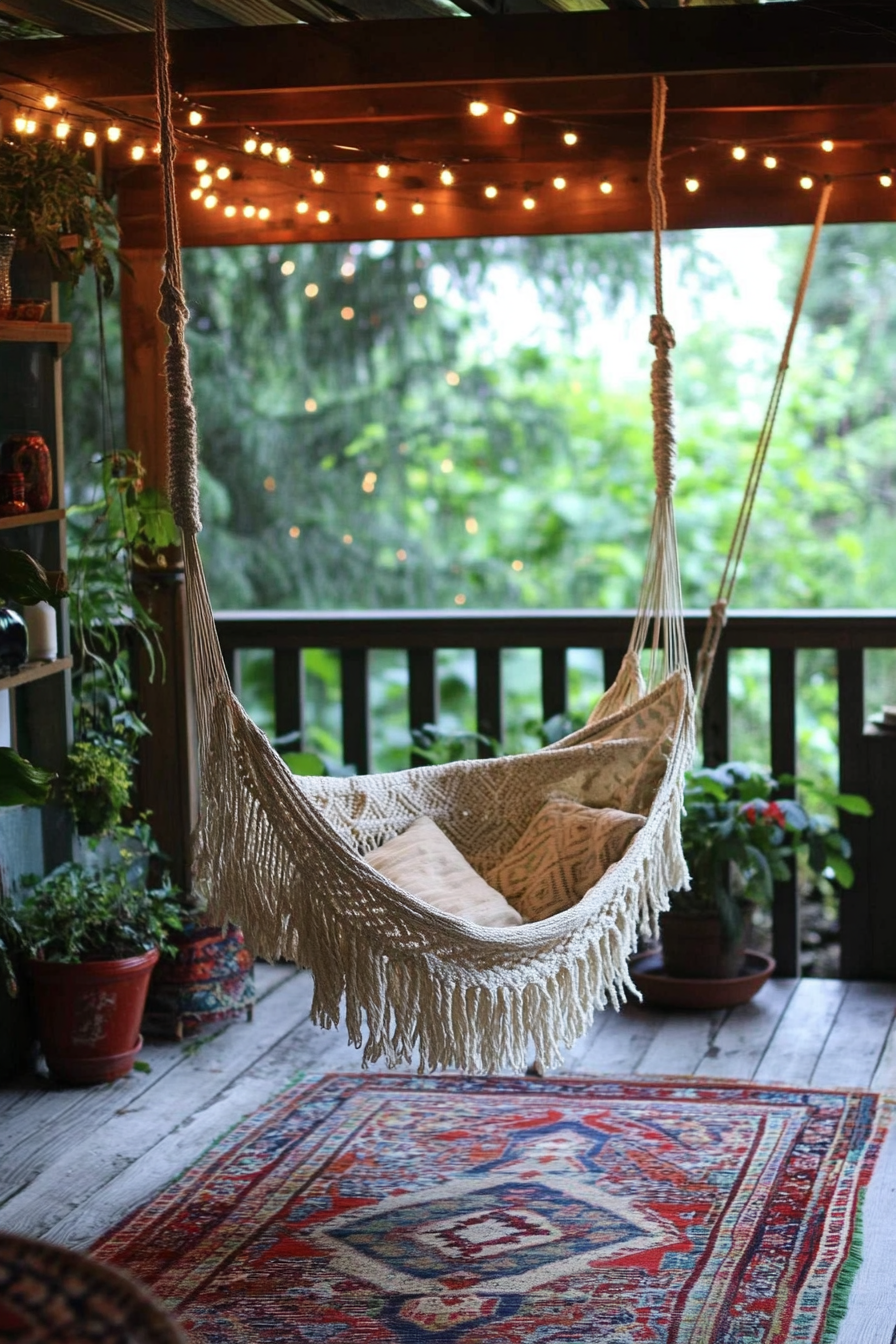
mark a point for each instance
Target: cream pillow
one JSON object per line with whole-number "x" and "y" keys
{"x": 424, "y": 862}
{"x": 564, "y": 850}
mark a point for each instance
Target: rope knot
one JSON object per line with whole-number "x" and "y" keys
{"x": 661, "y": 333}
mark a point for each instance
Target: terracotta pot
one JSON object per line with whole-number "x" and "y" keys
{"x": 89, "y": 1013}
{"x": 695, "y": 946}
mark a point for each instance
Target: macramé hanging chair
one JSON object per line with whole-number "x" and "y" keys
{"x": 283, "y": 856}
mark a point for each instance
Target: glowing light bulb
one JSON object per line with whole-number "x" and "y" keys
{"x": 739, "y": 153}
{"x": 211, "y": 201}
{"x": 301, "y": 206}
{"x": 446, "y": 466}
{"x": 20, "y": 122}
{"x": 157, "y": 147}
{"x": 89, "y": 138}
{"x": 452, "y": 378}
{"x": 420, "y": 301}
{"x": 50, "y": 100}
{"x": 417, "y": 208}
{"x": 266, "y": 148}
{"x": 807, "y": 182}
{"x": 570, "y": 138}
{"x": 827, "y": 146}
{"x": 509, "y": 118}
{"x": 270, "y": 484}
{"x": 138, "y": 152}
{"x": 886, "y": 179}
{"x": 347, "y": 270}
{"x": 201, "y": 165}
{"x": 318, "y": 176}
{"x": 195, "y": 117}
{"x": 460, "y": 600}
{"x": 283, "y": 154}
{"x": 230, "y": 211}
{"x": 691, "y": 184}
{"x": 606, "y": 187}
{"x": 287, "y": 268}
{"x": 347, "y": 538}
{"x": 401, "y": 554}
{"x": 446, "y": 177}
{"x": 528, "y": 202}
{"x": 295, "y": 532}
{"x": 491, "y": 192}
{"x": 312, "y": 290}
{"x": 560, "y": 183}
{"x": 478, "y": 108}
{"x": 264, "y": 212}
{"x": 310, "y": 405}
{"x": 250, "y": 145}
{"x": 347, "y": 313}
{"x": 770, "y": 161}
{"x": 62, "y": 129}
{"x": 323, "y": 216}
{"x": 472, "y": 526}
{"x": 30, "y": 126}
{"x": 383, "y": 170}
{"x": 249, "y": 210}
{"x": 222, "y": 173}
{"x": 380, "y": 202}
{"x": 206, "y": 180}
{"x": 196, "y": 194}
{"x": 113, "y": 133}
{"x": 517, "y": 565}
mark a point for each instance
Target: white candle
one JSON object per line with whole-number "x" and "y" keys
{"x": 41, "y": 622}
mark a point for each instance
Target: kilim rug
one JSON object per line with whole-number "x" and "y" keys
{"x": 450, "y": 1210}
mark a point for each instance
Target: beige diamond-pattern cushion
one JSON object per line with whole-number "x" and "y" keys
{"x": 423, "y": 861}
{"x": 565, "y": 849}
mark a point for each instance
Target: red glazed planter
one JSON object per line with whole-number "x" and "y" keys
{"x": 88, "y": 1015}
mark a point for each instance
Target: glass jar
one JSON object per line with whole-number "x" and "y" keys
{"x": 12, "y": 494}
{"x": 29, "y": 454}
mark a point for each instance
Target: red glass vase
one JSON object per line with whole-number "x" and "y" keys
{"x": 29, "y": 454}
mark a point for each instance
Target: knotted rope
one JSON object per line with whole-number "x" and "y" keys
{"x": 719, "y": 609}
{"x": 183, "y": 443}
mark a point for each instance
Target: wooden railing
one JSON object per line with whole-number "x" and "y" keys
{"x": 867, "y": 755}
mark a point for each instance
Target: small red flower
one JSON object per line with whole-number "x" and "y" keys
{"x": 774, "y": 813}
{"x": 750, "y": 814}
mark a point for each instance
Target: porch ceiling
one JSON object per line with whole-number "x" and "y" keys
{"x": 778, "y": 79}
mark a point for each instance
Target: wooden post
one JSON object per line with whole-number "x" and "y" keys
{"x": 167, "y": 781}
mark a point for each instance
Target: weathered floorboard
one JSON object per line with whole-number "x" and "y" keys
{"x": 796, "y": 1046}
{"x": 856, "y": 1041}
{"x": 740, "y": 1042}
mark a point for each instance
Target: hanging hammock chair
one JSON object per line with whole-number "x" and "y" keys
{"x": 284, "y": 856}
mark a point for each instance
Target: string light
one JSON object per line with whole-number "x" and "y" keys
{"x": 30, "y": 125}
{"x": 113, "y": 133}
{"x": 528, "y": 202}
{"x": 472, "y": 526}
{"x": 560, "y": 183}
{"x": 310, "y": 405}
{"x": 138, "y": 151}
{"x": 222, "y": 173}
{"x": 288, "y": 268}
{"x": 194, "y": 117}
{"x": 417, "y": 208}
{"x": 283, "y": 154}
{"x": 459, "y": 600}
{"x": 250, "y": 145}
{"x": 383, "y": 170}
{"x": 20, "y": 122}
{"x": 264, "y": 212}
{"x": 62, "y": 128}
{"x": 230, "y": 211}
{"x": 478, "y": 108}
{"x": 368, "y": 485}
{"x": 295, "y": 532}
{"x": 606, "y": 186}
{"x": 380, "y": 202}
{"x": 312, "y": 290}
{"x": 420, "y": 301}
{"x": 807, "y": 182}
{"x": 301, "y": 206}
{"x": 211, "y": 201}
{"x": 886, "y": 179}
{"x": 348, "y": 538}
{"x": 89, "y": 138}
{"x": 446, "y": 465}
{"x": 196, "y": 194}
{"x": 323, "y": 216}
{"x": 517, "y": 565}
{"x": 347, "y": 270}
{"x": 347, "y": 313}
{"x": 452, "y": 378}
{"x": 691, "y": 184}
{"x": 201, "y": 165}
{"x": 739, "y": 153}
{"x": 157, "y": 147}
{"x": 270, "y": 484}
{"x": 401, "y": 554}
{"x": 318, "y": 176}
{"x": 570, "y": 138}
{"x": 249, "y": 210}
{"x": 770, "y": 161}
{"x": 446, "y": 177}
{"x": 205, "y": 181}
{"x": 509, "y": 117}
{"x": 50, "y": 100}
{"x": 827, "y": 146}
{"x": 266, "y": 148}
{"x": 491, "y": 192}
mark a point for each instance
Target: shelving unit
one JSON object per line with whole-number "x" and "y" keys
{"x": 34, "y": 672}
{"x": 54, "y": 333}
{"x": 32, "y": 519}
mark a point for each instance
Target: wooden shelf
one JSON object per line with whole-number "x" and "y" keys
{"x": 30, "y": 519}
{"x": 34, "y": 672}
{"x": 57, "y": 333}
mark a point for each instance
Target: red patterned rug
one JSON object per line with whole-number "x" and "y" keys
{"x": 454, "y": 1210}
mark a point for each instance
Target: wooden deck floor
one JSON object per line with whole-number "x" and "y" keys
{"x": 73, "y": 1161}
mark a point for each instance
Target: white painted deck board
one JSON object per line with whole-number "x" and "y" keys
{"x": 795, "y": 1048}
{"x": 742, "y": 1039}
{"x": 856, "y": 1041}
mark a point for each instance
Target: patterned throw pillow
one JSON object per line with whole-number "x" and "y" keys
{"x": 423, "y": 861}
{"x": 565, "y": 849}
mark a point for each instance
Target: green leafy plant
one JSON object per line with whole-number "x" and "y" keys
{"x": 437, "y": 746}
{"x": 102, "y": 909}
{"x": 23, "y": 579}
{"x": 22, "y": 783}
{"x": 96, "y": 784}
{"x": 738, "y": 834}
{"x": 12, "y": 947}
{"x": 52, "y": 201}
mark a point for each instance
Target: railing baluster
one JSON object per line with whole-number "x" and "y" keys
{"x": 856, "y": 939}
{"x": 423, "y": 692}
{"x": 356, "y": 709}
{"x": 554, "y": 691}
{"x": 489, "y": 698}
{"x": 715, "y": 712}
{"x": 786, "y": 909}
{"x": 612, "y": 663}
{"x": 289, "y": 694}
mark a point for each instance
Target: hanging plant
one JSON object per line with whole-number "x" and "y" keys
{"x": 51, "y": 201}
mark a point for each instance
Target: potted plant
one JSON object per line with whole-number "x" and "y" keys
{"x": 94, "y": 929}
{"x": 739, "y": 835}
{"x": 52, "y": 203}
